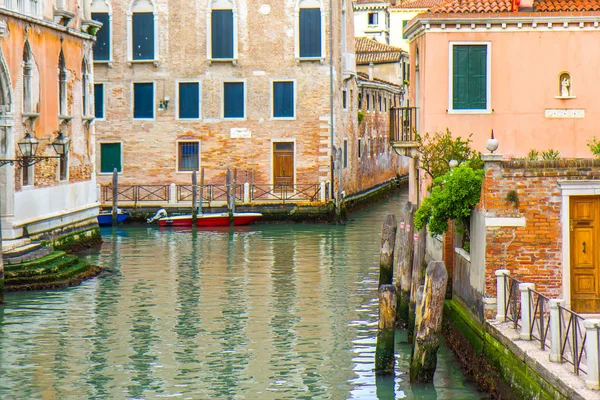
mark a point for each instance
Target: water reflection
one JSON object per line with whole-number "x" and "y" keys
{"x": 265, "y": 312}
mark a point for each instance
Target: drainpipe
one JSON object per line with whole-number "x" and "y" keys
{"x": 331, "y": 119}
{"x": 371, "y": 67}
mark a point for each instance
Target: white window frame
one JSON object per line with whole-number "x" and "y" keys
{"x": 488, "y": 109}
{"x": 130, "y": 13}
{"x": 132, "y": 101}
{"x": 272, "y": 101}
{"x": 99, "y": 165}
{"x": 245, "y": 99}
{"x": 177, "y": 142}
{"x": 309, "y": 4}
{"x": 217, "y": 5}
{"x": 177, "y": 82}
{"x": 376, "y": 14}
{"x": 103, "y": 100}
{"x": 107, "y": 9}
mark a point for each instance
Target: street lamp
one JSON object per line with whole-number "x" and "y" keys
{"x": 28, "y": 147}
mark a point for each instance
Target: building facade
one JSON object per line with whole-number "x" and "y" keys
{"x": 226, "y": 84}
{"x": 46, "y": 79}
{"x": 465, "y": 80}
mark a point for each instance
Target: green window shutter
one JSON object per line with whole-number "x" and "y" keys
{"x": 469, "y": 77}
{"x": 459, "y": 77}
{"x": 110, "y": 157}
{"x": 478, "y": 77}
{"x": 404, "y": 23}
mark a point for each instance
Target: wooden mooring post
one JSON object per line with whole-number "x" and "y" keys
{"x": 194, "y": 197}
{"x": 428, "y": 325}
{"x": 201, "y": 190}
{"x": 417, "y": 279}
{"x": 115, "y": 197}
{"x": 404, "y": 260}
{"x": 386, "y": 255}
{"x": 384, "y": 350}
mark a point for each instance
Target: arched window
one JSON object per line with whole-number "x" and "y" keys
{"x": 27, "y": 79}
{"x": 101, "y": 12}
{"x": 85, "y": 88}
{"x": 143, "y": 31}
{"x": 310, "y": 30}
{"x": 222, "y": 35}
{"x": 62, "y": 86}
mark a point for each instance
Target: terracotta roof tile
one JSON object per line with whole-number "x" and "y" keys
{"x": 418, "y": 4}
{"x": 566, "y": 5}
{"x": 371, "y": 51}
{"x": 365, "y": 77}
{"x": 473, "y": 6}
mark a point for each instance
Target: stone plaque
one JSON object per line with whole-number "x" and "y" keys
{"x": 240, "y": 133}
{"x": 565, "y": 113}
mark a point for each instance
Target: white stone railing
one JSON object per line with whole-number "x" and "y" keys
{"x": 570, "y": 337}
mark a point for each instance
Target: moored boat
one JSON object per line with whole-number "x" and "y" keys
{"x": 105, "y": 217}
{"x": 205, "y": 219}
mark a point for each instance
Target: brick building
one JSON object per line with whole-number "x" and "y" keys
{"x": 227, "y": 84}
{"x": 46, "y": 90}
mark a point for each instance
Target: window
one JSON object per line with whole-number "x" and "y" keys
{"x": 143, "y": 36}
{"x": 233, "y": 100}
{"x": 99, "y": 100}
{"x": 360, "y": 148}
{"x": 189, "y": 100}
{"x": 310, "y": 29}
{"x": 283, "y": 100}
{"x": 373, "y": 18}
{"x": 110, "y": 157}
{"x": 85, "y": 87}
{"x": 404, "y": 23}
{"x": 188, "y": 156}
{"x": 345, "y": 154}
{"x": 368, "y": 102}
{"x": 28, "y": 66}
{"x": 102, "y": 45}
{"x": 143, "y": 100}
{"x": 345, "y": 99}
{"x": 469, "y": 73}
{"x": 62, "y": 85}
{"x": 222, "y": 33}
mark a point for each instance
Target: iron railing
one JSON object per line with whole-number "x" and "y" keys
{"x": 539, "y": 318}
{"x": 572, "y": 339}
{"x": 513, "y": 300}
{"x": 403, "y": 124}
{"x": 136, "y": 193}
{"x": 283, "y": 193}
{"x": 212, "y": 192}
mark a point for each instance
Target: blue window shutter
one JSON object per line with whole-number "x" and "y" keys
{"x": 110, "y": 157}
{"x": 222, "y": 33}
{"x": 189, "y": 100}
{"x": 283, "y": 99}
{"x": 102, "y": 45}
{"x": 143, "y": 100}
{"x": 310, "y": 32}
{"x": 233, "y": 101}
{"x": 99, "y": 100}
{"x": 404, "y": 23}
{"x": 143, "y": 36}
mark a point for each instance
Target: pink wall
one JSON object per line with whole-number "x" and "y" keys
{"x": 525, "y": 68}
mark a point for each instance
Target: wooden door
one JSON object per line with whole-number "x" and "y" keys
{"x": 283, "y": 163}
{"x": 584, "y": 226}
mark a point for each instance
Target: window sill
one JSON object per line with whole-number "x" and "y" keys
{"x": 234, "y": 119}
{"x": 31, "y": 117}
{"x": 565, "y": 97}
{"x": 310, "y": 59}
{"x": 64, "y": 119}
{"x": 87, "y": 120}
{"x": 233, "y": 61}
{"x": 470, "y": 112}
{"x": 131, "y": 62}
{"x": 144, "y": 119}
{"x": 108, "y": 63}
{"x": 109, "y": 173}
{"x": 188, "y": 119}
{"x": 187, "y": 173}
{"x": 283, "y": 118}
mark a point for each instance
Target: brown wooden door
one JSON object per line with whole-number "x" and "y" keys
{"x": 283, "y": 163}
{"x": 584, "y": 226}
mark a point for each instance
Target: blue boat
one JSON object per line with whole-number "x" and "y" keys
{"x": 105, "y": 217}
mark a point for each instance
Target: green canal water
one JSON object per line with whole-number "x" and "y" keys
{"x": 265, "y": 312}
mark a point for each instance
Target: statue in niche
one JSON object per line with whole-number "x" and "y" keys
{"x": 565, "y": 84}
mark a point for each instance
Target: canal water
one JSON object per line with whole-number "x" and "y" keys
{"x": 263, "y": 312}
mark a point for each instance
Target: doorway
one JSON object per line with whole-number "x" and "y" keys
{"x": 283, "y": 164}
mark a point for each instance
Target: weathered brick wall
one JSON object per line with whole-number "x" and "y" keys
{"x": 532, "y": 253}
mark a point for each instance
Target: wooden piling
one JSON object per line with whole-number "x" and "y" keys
{"x": 384, "y": 350}
{"x": 386, "y": 255}
{"x": 417, "y": 279}
{"x": 428, "y": 326}
{"x": 233, "y": 191}
{"x": 201, "y": 191}
{"x": 115, "y": 197}
{"x": 1, "y": 277}
{"x": 403, "y": 271}
{"x": 194, "y": 196}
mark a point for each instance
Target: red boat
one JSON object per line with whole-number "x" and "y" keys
{"x": 208, "y": 219}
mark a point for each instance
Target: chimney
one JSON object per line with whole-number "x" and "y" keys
{"x": 524, "y": 5}
{"x": 371, "y": 71}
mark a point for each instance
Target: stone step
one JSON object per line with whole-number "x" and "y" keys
{"x": 26, "y": 253}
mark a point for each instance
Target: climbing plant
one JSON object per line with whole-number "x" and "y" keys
{"x": 437, "y": 149}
